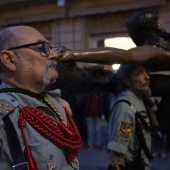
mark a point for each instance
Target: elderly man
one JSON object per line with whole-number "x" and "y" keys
{"x": 36, "y": 128}
{"x": 129, "y": 124}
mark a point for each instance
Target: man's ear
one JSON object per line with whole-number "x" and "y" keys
{"x": 7, "y": 58}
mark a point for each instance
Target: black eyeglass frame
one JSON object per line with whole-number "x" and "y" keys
{"x": 44, "y": 45}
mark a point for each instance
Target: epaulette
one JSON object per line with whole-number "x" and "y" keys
{"x": 132, "y": 107}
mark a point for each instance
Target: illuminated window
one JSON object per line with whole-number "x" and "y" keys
{"x": 124, "y": 43}
{"x": 119, "y": 42}
{"x": 60, "y": 3}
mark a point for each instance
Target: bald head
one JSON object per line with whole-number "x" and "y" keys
{"x": 25, "y": 32}
{"x": 16, "y": 35}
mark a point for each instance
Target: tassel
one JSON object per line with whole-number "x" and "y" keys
{"x": 31, "y": 162}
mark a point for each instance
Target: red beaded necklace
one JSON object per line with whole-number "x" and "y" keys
{"x": 64, "y": 136}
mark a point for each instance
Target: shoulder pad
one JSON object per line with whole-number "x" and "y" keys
{"x": 132, "y": 107}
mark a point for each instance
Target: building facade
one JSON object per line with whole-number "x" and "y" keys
{"x": 78, "y": 24}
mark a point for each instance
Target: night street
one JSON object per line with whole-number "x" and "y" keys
{"x": 99, "y": 159}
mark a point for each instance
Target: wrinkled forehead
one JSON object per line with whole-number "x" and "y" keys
{"x": 137, "y": 70}
{"x": 26, "y": 34}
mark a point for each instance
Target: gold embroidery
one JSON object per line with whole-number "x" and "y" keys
{"x": 75, "y": 161}
{"x": 5, "y": 107}
{"x": 125, "y": 130}
{"x": 53, "y": 167}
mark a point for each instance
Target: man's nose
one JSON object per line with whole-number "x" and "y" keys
{"x": 54, "y": 54}
{"x": 147, "y": 75}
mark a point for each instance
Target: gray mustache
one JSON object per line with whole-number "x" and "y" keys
{"x": 51, "y": 64}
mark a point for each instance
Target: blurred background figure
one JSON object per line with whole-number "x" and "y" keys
{"x": 163, "y": 117}
{"x": 94, "y": 137}
{"x": 79, "y": 107}
{"x": 158, "y": 136}
{"x": 129, "y": 131}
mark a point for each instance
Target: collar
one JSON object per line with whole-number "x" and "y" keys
{"x": 7, "y": 87}
{"x": 23, "y": 91}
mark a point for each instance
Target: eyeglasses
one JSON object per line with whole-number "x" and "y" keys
{"x": 45, "y": 48}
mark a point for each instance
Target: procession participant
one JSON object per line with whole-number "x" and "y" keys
{"x": 36, "y": 128}
{"x": 129, "y": 128}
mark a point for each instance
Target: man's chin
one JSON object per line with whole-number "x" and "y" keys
{"x": 48, "y": 82}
